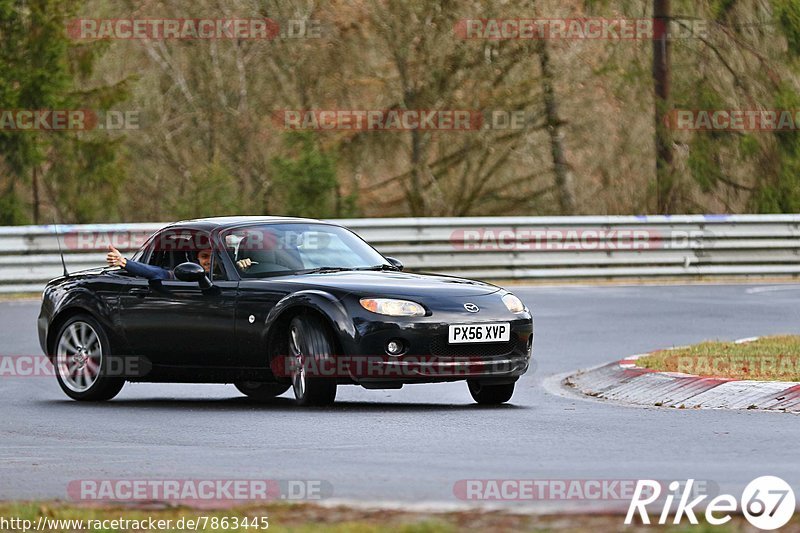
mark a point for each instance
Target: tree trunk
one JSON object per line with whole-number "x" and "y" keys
{"x": 661, "y": 84}
{"x": 414, "y": 192}
{"x": 35, "y": 185}
{"x": 564, "y": 179}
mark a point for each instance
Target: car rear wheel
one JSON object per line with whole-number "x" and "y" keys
{"x": 490, "y": 394}
{"x": 82, "y": 363}
{"x": 261, "y": 391}
{"x": 309, "y": 344}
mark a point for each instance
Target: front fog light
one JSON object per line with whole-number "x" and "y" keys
{"x": 394, "y": 347}
{"x": 513, "y": 303}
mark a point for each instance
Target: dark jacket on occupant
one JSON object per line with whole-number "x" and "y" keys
{"x": 147, "y": 271}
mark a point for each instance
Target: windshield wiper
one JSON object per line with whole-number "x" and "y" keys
{"x": 379, "y": 268}
{"x": 324, "y": 269}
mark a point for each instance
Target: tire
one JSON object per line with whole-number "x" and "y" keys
{"x": 261, "y": 391}
{"x": 81, "y": 361}
{"x": 490, "y": 394}
{"x": 308, "y": 341}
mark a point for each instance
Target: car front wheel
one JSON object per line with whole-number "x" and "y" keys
{"x": 309, "y": 344}
{"x": 490, "y": 394}
{"x": 82, "y": 361}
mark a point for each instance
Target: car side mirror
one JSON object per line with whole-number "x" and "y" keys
{"x": 395, "y": 263}
{"x": 192, "y": 272}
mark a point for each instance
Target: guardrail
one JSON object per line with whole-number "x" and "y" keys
{"x": 523, "y": 248}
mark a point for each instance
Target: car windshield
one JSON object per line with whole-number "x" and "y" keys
{"x": 297, "y": 248}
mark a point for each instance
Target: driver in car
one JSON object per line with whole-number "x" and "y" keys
{"x": 115, "y": 258}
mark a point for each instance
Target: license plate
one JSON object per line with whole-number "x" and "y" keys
{"x": 460, "y": 334}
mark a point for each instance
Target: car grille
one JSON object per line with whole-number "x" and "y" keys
{"x": 441, "y": 348}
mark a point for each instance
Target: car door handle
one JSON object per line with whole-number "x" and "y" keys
{"x": 141, "y": 292}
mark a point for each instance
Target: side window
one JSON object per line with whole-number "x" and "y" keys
{"x": 173, "y": 258}
{"x": 174, "y": 246}
{"x": 159, "y": 258}
{"x": 155, "y": 253}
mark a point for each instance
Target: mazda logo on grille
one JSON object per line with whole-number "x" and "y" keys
{"x": 472, "y": 308}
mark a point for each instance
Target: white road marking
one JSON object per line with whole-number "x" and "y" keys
{"x": 772, "y": 288}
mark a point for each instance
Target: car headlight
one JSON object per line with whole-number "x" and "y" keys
{"x": 513, "y": 303}
{"x": 388, "y": 306}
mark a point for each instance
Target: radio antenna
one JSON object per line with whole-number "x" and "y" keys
{"x": 60, "y": 252}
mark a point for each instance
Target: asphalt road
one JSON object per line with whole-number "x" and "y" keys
{"x": 412, "y": 445}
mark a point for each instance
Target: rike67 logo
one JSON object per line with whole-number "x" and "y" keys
{"x": 767, "y": 502}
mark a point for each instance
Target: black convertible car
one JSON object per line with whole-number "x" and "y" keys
{"x": 285, "y": 302}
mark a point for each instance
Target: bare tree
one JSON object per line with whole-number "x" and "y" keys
{"x": 564, "y": 179}
{"x": 661, "y": 85}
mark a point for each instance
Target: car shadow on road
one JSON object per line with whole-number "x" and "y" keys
{"x": 274, "y": 405}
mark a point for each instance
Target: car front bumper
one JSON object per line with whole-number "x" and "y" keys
{"x": 428, "y": 356}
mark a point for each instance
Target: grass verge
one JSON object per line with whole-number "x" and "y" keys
{"x": 301, "y": 518}
{"x": 14, "y": 296}
{"x": 766, "y": 359}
